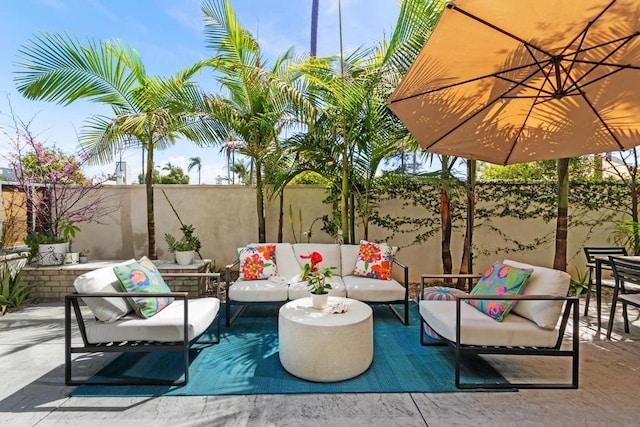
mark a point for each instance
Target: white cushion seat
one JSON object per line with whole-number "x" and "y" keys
{"x": 165, "y": 326}
{"x": 373, "y": 290}
{"x": 264, "y": 290}
{"x": 477, "y": 328}
{"x": 298, "y": 289}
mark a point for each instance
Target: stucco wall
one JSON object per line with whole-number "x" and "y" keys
{"x": 225, "y": 219}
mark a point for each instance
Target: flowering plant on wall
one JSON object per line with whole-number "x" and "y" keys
{"x": 315, "y": 275}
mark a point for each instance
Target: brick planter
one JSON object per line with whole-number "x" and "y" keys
{"x": 52, "y": 283}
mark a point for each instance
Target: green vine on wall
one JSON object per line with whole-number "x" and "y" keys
{"x": 591, "y": 204}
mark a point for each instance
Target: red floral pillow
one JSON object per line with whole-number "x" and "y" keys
{"x": 374, "y": 260}
{"x": 257, "y": 262}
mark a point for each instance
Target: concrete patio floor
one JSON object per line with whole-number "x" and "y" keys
{"x": 32, "y": 391}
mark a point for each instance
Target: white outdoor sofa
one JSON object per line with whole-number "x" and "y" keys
{"x": 113, "y": 327}
{"x": 287, "y": 285}
{"x": 535, "y": 326}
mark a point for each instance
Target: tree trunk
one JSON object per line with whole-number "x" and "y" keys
{"x": 314, "y": 27}
{"x": 466, "y": 264}
{"x": 151, "y": 219}
{"x": 445, "y": 219}
{"x": 560, "y": 259}
{"x": 262, "y": 227}
{"x": 344, "y": 202}
{"x": 281, "y": 216}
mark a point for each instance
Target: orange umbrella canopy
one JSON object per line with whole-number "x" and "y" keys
{"x": 515, "y": 81}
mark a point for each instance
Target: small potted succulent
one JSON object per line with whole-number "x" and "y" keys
{"x": 184, "y": 248}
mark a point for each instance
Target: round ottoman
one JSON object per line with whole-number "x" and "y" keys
{"x": 318, "y": 345}
{"x": 440, "y": 293}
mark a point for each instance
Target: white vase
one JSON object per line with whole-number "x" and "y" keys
{"x": 184, "y": 257}
{"x": 319, "y": 301}
{"x": 51, "y": 253}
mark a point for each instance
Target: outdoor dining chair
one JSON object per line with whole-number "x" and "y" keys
{"x": 625, "y": 271}
{"x": 601, "y": 251}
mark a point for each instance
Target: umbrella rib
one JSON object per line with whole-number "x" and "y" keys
{"x": 606, "y": 126}
{"x": 498, "y": 29}
{"x": 575, "y": 55}
{"x": 598, "y": 63}
{"x": 515, "y": 140}
{"x": 577, "y": 88}
{"x": 449, "y": 86}
{"x": 589, "y": 24}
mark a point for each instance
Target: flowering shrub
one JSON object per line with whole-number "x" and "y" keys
{"x": 52, "y": 185}
{"x": 315, "y": 275}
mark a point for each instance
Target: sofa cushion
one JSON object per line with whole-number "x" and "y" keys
{"x": 373, "y": 290}
{"x": 374, "y": 260}
{"x": 298, "y": 288}
{"x": 499, "y": 279}
{"x": 103, "y": 280}
{"x": 166, "y": 326}
{"x": 349, "y": 254}
{"x": 257, "y": 262}
{"x": 272, "y": 289}
{"x": 477, "y": 328}
{"x": 143, "y": 276}
{"x": 330, "y": 255}
{"x": 543, "y": 281}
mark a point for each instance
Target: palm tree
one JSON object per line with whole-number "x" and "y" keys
{"x": 151, "y": 111}
{"x": 195, "y": 162}
{"x": 354, "y": 129}
{"x": 260, "y": 100}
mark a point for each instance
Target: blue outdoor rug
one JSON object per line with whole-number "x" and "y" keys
{"x": 246, "y": 362}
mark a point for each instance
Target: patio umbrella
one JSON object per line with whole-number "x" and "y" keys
{"x": 521, "y": 80}
{"x": 515, "y": 81}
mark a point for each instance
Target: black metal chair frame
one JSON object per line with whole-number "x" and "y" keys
{"x": 464, "y": 350}
{"x": 72, "y": 301}
{"x": 230, "y": 316}
{"x": 624, "y": 271}
{"x": 591, "y": 252}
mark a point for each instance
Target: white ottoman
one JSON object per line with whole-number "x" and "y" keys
{"x": 321, "y": 346}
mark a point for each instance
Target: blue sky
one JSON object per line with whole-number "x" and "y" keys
{"x": 169, "y": 36}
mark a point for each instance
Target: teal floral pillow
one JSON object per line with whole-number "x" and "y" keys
{"x": 143, "y": 276}
{"x": 499, "y": 279}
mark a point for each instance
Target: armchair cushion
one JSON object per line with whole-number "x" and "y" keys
{"x": 143, "y": 276}
{"x": 257, "y": 262}
{"x": 543, "y": 281}
{"x": 166, "y": 326}
{"x": 103, "y": 280}
{"x": 374, "y": 260}
{"x": 499, "y": 279}
{"x": 476, "y": 328}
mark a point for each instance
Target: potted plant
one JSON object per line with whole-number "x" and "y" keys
{"x": 186, "y": 247}
{"x": 84, "y": 256}
{"x": 46, "y": 249}
{"x": 316, "y": 278}
{"x": 69, "y": 230}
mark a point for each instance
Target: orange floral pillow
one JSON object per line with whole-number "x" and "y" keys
{"x": 374, "y": 260}
{"x": 257, "y": 262}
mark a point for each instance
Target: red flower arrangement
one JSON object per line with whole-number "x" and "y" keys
{"x": 315, "y": 275}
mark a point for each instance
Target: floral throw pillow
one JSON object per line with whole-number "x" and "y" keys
{"x": 143, "y": 276}
{"x": 499, "y": 279}
{"x": 374, "y": 260}
{"x": 257, "y": 262}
